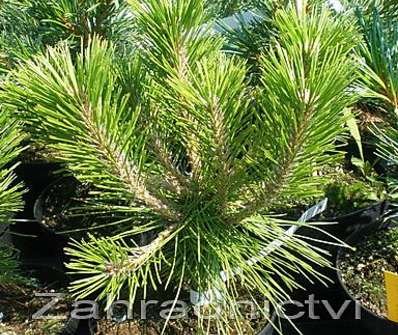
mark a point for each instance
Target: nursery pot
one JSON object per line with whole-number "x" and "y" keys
{"x": 36, "y": 175}
{"x": 52, "y": 207}
{"x": 52, "y": 200}
{"x": 373, "y": 323}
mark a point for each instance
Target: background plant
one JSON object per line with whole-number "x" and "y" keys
{"x": 10, "y": 268}
{"x": 28, "y": 26}
{"x": 388, "y": 8}
{"x": 379, "y": 56}
{"x": 252, "y": 31}
{"x": 377, "y": 88}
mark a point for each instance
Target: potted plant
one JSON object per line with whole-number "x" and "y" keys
{"x": 194, "y": 158}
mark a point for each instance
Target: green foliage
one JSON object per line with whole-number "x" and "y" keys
{"x": 9, "y": 267}
{"x": 379, "y": 57}
{"x": 379, "y": 84}
{"x": 195, "y": 158}
{"x": 388, "y": 8}
{"x": 251, "y": 40}
{"x": 10, "y": 193}
{"x": 349, "y": 194}
{"x": 28, "y": 26}
{"x": 224, "y": 8}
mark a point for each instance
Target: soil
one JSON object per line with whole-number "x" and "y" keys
{"x": 186, "y": 327}
{"x": 36, "y": 153}
{"x": 18, "y": 304}
{"x": 362, "y": 269}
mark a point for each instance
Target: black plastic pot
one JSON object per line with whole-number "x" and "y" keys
{"x": 374, "y": 324}
{"x": 269, "y": 329}
{"x": 38, "y": 247}
{"x": 36, "y": 176}
{"x": 28, "y": 234}
{"x": 58, "y": 195}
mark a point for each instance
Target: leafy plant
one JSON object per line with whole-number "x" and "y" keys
{"x": 197, "y": 161}
{"x": 379, "y": 85}
{"x": 349, "y": 194}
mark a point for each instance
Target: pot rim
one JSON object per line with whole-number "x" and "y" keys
{"x": 38, "y": 204}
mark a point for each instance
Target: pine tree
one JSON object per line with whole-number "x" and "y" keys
{"x": 194, "y": 157}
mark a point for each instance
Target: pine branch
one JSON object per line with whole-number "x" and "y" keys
{"x": 172, "y": 47}
{"x": 122, "y": 167}
{"x": 300, "y": 79}
{"x": 141, "y": 255}
{"x": 11, "y": 191}
{"x": 219, "y": 120}
{"x": 102, "y": 148}
{"x": 175, "y": 179}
